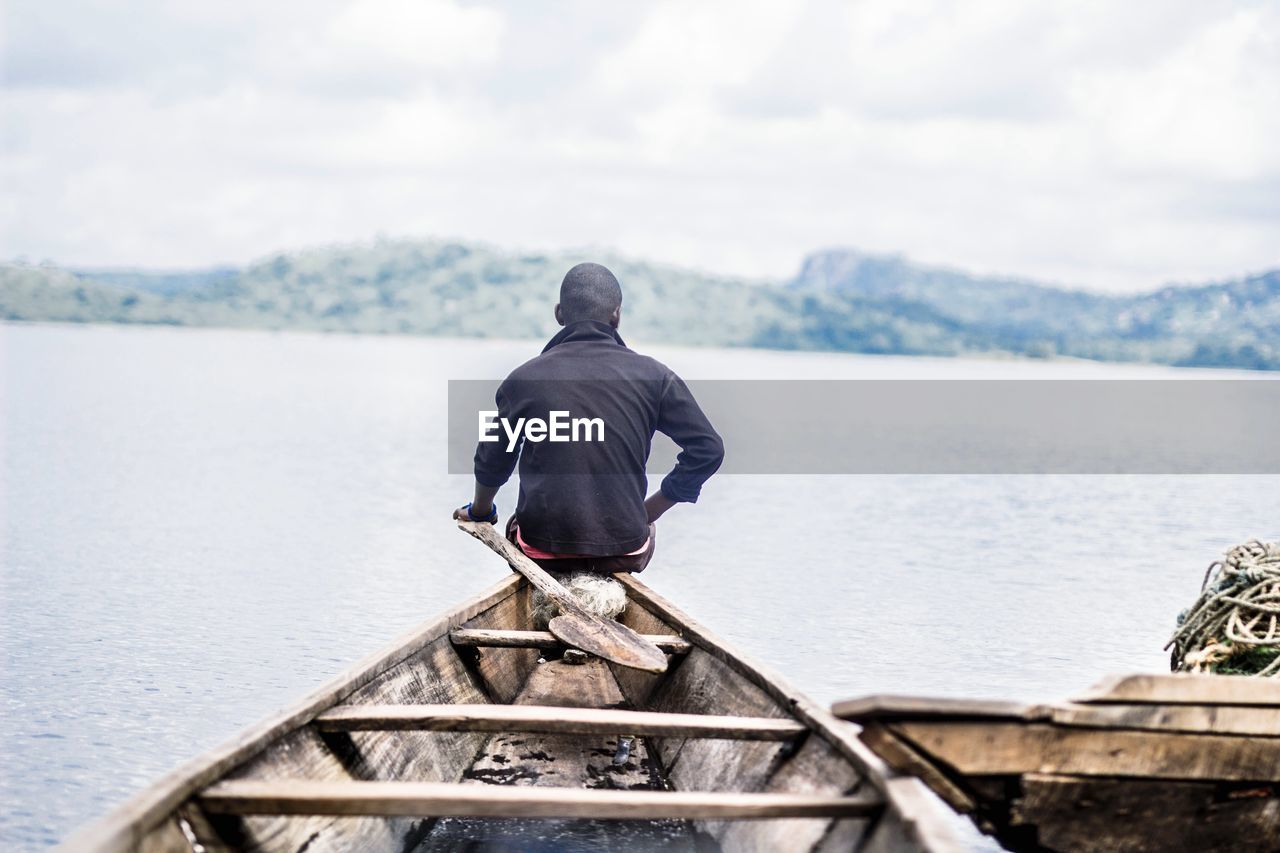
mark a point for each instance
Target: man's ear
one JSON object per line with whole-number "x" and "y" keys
{"x": 616, "y": 317}
{"x": 559, "y": 317}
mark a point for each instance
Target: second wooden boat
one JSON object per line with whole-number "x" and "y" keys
{"x": 472, "y": 730}
{"x": 1139, "y": 763}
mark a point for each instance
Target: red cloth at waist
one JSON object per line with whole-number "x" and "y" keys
{"x": 538, "y": 554}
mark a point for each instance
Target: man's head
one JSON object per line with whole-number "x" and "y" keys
{"x": 589, "y": 292}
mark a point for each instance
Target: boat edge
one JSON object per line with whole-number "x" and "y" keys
{"x": 924, "y": 815}
{"x": 124, "y": 826}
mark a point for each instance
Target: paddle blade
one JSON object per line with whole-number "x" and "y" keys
{"x": 610, "y": 640}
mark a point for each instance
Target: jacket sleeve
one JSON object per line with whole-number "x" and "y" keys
{"x": 701, "y": 450}
{"x": 493, "y": 463}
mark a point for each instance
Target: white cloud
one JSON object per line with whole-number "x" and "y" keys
{"x": 1109, "y": 145}
{"x": 1209, "y": 108}
{"x": 686, "y": 50}
{"x": 438, "y": 33}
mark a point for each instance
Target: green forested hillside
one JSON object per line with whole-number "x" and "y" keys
{"x": 841, "y": 300}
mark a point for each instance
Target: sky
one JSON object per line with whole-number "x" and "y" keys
{"x": 1107, "y": 145}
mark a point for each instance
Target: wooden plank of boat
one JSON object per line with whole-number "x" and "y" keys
{"x": 1250, "y": 720}
{"x": 1184, "y": 689}
{"x": 1150, "y": 762}
{"x": 1244, "y": 720}
{"x": 576, "y": 626}
{"x": 885, "y": 706}
{"x": 904, "y": 757}
{"x": 424, "y": 799}
{"x": 546, "y": 640}
{"x": 1074, "y": 813}
{"x": 554, "y": 720}
{"x": 1002, "y": 748}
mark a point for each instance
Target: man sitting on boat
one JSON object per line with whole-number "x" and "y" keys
{"x": 582, "y": 505}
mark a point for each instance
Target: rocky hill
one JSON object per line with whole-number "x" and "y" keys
{"x": 841, "y": 300}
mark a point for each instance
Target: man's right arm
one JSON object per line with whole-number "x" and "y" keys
{"x": 481, "y": 505}
{"x": 494, "y": 463}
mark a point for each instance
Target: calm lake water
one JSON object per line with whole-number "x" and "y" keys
{"x": 199, "y": 527}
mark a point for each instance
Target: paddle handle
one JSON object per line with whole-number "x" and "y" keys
{"x": 516, "y": 558}
{"x": 575, "y": 626}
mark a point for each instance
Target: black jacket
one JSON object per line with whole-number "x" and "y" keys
{"x": 587, "y": 497}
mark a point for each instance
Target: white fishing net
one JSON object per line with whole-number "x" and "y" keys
{"x": 602, "y": 596}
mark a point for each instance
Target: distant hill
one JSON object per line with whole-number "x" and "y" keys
{"x": 841, "y": 300}
{"x": 1233, "y": 323}
{"x": 159, "y": 282}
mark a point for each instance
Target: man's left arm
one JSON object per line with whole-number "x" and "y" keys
{"x": 701, "y": 450}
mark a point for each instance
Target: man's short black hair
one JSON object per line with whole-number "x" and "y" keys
{"x": 589, "y": 292}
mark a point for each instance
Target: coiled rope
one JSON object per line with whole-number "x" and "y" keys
{"x": 1234, "y": 626}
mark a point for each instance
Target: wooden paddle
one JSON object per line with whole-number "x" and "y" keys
{"x": 575, "y": 626}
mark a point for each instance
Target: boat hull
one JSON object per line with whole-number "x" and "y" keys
{"x": 734, "y": 754}
{"x": 1140, "y": 763}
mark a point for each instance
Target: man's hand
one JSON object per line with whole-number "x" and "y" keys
{"x": 481, "y": 505}
{"x": 471, "y": 513}
{"x": 656, "y": 504}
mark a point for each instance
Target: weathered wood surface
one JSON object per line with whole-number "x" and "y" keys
{"x": 427, "y": 799}
{"x": 544, "y": 720}
{"x": 1136, "y": 816}
{"x": 124, "y": 828}
{"x": 560, "y": 759}
{"x": 552, "y": 760}
{"x": 608, "y": 639}
{"x": 503, "y": 670}
{"x": 999, "y": 748}
{"x": 928, "y": 823}
{"x": 558, "y": 684}
{"x": 769, "y": 682}
{"x": 887, "y": 836}
{"x": 168, "y": 837}
{"x": 702, "y": 684}
{"x": 816, "y": 769}
{"x": 883, "y": 706}
{"x": 434, "y": 675}
{"x": 1245, "y": 720}
{"x": 1142, "y": 763}
{"x": 1252, "y": 720}
{"x": 487, "y": 638}
{"x": 1185, "y": 689}
{"x": 904, "y": 758}
{"x": 914, "y": 815}
{"x": 578, "y": 628}
{"x": 825, "y": 763}
{"x": 848, "y": 834}
{"x": 637, "y": 686}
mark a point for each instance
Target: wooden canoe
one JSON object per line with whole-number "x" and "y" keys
{"x": 1138, "y": 763}
{"x": 457, "y": 735}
